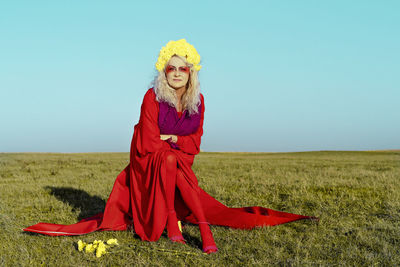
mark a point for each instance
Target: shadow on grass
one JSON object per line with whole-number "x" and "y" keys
{"x": 91, "y": 205}
{"x": 192, "y": 241}
{"x": 78, "y": 200}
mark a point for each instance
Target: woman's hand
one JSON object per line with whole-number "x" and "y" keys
{"x": 164, "y": 137}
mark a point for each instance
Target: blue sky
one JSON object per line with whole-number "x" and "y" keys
{"x": 277, "y": 75}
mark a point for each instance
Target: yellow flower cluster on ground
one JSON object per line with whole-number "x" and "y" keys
{"x": 180, "y": 48}
{"x": 97, "y": 246}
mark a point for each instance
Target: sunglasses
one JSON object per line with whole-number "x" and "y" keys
{"x": 170, "y": 68}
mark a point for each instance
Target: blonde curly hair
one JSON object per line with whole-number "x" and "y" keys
{"x": 190, "y": 99}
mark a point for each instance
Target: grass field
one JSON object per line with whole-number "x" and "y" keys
{"x": 355, "y": 194}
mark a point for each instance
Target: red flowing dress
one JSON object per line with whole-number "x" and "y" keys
{"x": 138, "y": 195}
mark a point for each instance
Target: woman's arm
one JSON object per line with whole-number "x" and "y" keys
{"x": 148, "y": 130}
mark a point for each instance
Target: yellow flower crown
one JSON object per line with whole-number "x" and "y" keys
{"x": 180, "y": 48}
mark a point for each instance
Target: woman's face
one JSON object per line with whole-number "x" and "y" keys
{"x": 177, "y": 73}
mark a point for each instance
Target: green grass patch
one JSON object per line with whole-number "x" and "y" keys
{"x": 355, "y": 194}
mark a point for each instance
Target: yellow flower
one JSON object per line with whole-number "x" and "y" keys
{"x": 98, "y": 246}
{"x": 81, "y": 245}
{"x": 96, "y": 243}
{"x": 112, "y": 241}
{"x": 101, "y": 249}
{"x": 180, "y": 48}
{"x": 99, "y": 253}
{"x": 89, "y": 248}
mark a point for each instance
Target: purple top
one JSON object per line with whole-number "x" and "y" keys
{"x": 170, "y": 123}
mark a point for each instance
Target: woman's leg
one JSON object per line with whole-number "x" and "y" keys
{"x": 192, "y": 201}
{"x": 172, "y": 222}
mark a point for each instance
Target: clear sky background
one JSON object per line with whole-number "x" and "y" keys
{"x": 277, "y": 75}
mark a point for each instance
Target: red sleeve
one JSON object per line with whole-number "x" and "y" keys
{"x": 148, "y": 136}
{"x": 190, "y": 144}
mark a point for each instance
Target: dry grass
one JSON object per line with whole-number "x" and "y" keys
{"x": 356, "y": 195}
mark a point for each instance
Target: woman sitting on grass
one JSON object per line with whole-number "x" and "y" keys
{"x": 158, "y": 186}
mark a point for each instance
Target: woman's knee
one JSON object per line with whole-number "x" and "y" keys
{"x": 170, "y": 159}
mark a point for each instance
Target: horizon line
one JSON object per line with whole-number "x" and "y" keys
{"x": 202, "y": 151}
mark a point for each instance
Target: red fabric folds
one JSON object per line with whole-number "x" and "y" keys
{"x": 138, "y": 195}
